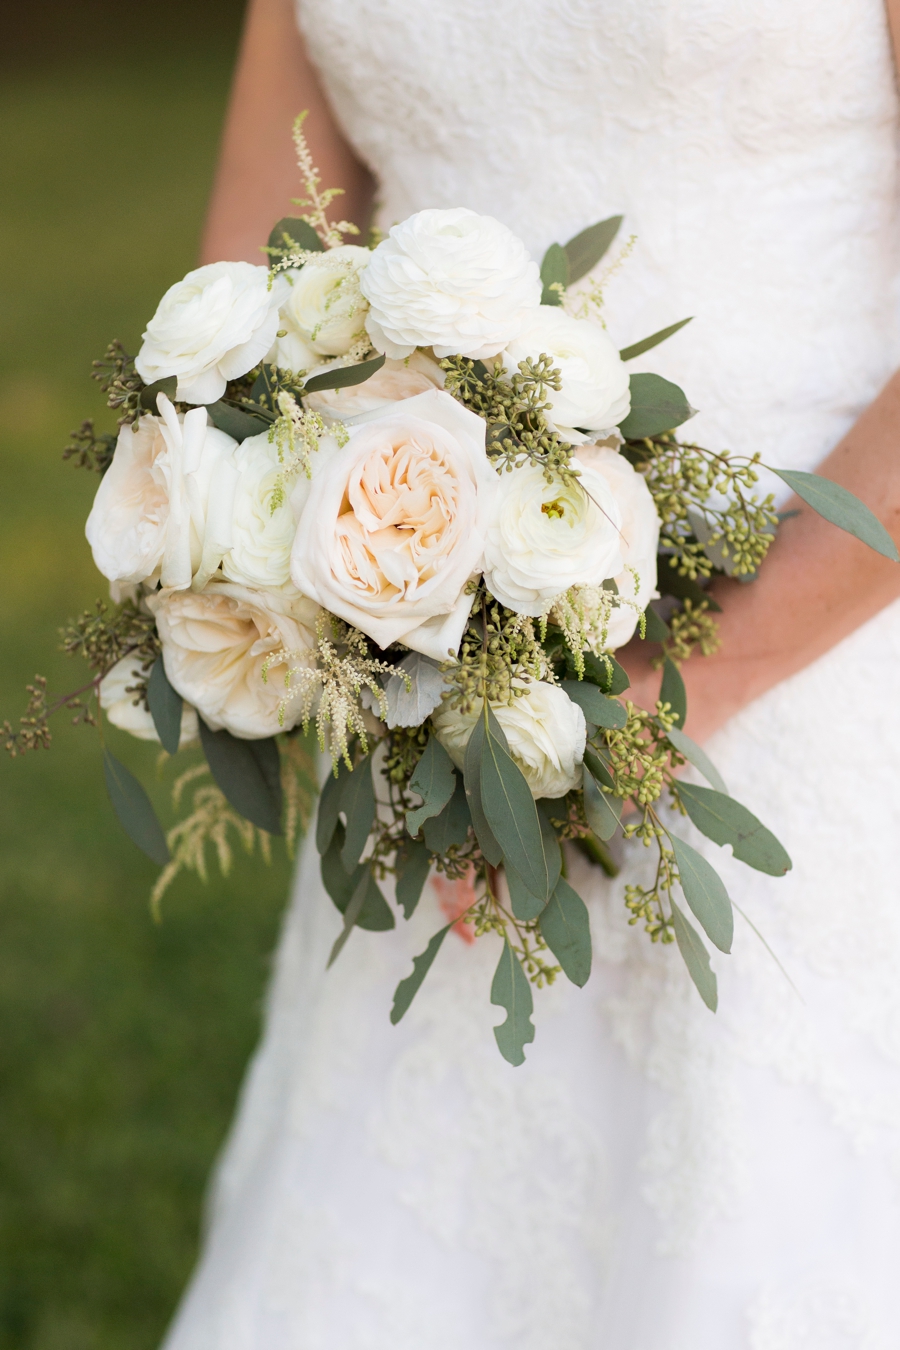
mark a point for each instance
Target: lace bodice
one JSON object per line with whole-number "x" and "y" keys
{"x": 653, "y": 1178}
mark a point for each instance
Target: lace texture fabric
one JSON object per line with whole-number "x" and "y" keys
{"x": 653, "y": 1178}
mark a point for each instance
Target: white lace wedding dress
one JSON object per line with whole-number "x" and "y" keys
{"x": 654, "y": 1177}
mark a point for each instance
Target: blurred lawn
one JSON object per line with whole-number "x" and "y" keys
{"x": 122, "y": 1042}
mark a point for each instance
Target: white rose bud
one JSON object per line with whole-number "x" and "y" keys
{"x": 545, "y": 731}
{"x": 212, "y": 327}
{"x": 393, "y": 526}
{"x": 324, "y": 312}
{"x": 595, "y": 393}
{"x": 639, "y": 538}
{"x": 455, "y": 281}
{"x": 395, "y": 381}
{"x": 261, "y": 538}
{"x": 164, "y": 506}
{"x": 127, "y": 712}
{"x": 545, "y": 537}
{"x": 227, "y": 651}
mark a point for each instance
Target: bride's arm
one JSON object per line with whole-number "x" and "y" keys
{"x": 817, "y": 585}
{"x": 257, "y": 174}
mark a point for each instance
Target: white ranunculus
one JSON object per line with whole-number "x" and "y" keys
{"x": 127, "y": 712}
{"x": 212, "y": 327}
{"x": 545, "y": 731}
{"x": 395, "y": 381}
{"x": 545, "y": 537}
{"x": 595, "y": 393}
{"x": 261, "y": 538}
{"x": 323, "y": 312}
{"x": 455, "y": 281}
{"x": 393, "y": 526}
{"x": 221, "y": 650}
{"x": 639, "y": 539}
{"x": 164, "y": 506}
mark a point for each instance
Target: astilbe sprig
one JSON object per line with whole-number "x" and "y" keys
{"x": 331, "y": 233}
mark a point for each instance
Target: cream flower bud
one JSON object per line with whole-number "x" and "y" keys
{"x": 544, "y": 729}
{"x": 212, "y": 327}
{"x": 227, "y": 651}
{"x": 545, "y": 537}
{"x": 454, "y": 281}
{"x": 595, "y": 392}
{"x": 324, "y": 311}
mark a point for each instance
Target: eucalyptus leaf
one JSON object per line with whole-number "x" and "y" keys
{"x": 673, "y": 692}
{"x": 603, "y": 812}
{"x": 647, "y": 343}
{"x": 552, "y": 849}
{"x": 597, "y": 708}
{"x": 600, "y": 771}
{"x": 407, "y": 989}
{"x": 166, "y": 706}
{"x": 566, "y": 929}
{"x": 510, "y": 990}
{"x": 134, "y": 809}
{"x": 151, "y": 392}
{"x": 725, "y": 821}
{"x": 413, "y": 865}
{"x": 705, "y": 892}
{"x": 408, "y": 707}
{"x": 841, "y": 508}
{"x": 511, "y": 814}
{"x": 611, "y": 678}
{"x": 358, "y": 806}
{"x": 472, "y": 776}
{"x": 586, "y": 249}
{"x": 351, "y": 914}
{"x": 523, "y": 904}
{"x": 696, "y": 958}
{"x": 656, "y": 630}
{"x": 554, "y": 274}
{"x": 329, "y": 808}
{"x": 697, "y": 756}
{"x": 434, "y": 780}
{"x": 451, "y": 826}
{"x": 249, "y": 774}
{"x": 375, "y": 914}
{"x": 235, "y": 422}
{"x": 657, "y": 405}
{"x": 342, "y": 377}
{"x": 291, "y": 233}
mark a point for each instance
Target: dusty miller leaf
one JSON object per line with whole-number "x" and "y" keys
{"x": 427, "y": 686}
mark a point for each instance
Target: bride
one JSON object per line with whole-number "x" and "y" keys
{"x": 653, "y": 1178}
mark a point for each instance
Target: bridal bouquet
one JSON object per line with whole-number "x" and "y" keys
{"x": 409, "y": 494}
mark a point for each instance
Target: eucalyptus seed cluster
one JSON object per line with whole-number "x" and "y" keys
{"x": 120, "y": 382}
{"x": 103, "y": 636}
{"x": 89, "y": 450}
{"x": 683, "y": 478}
{"x": 515, "y": 408}
{"x": 690, "y": 627}
{"x": 639, "y": 756}
{"x": 498, "y": 655}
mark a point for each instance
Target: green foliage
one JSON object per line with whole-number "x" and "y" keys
{"x": 412, "y": 865}
{"x": 695, "y": 958}
{"x": 602, "y": 809}
{"x": 566, "y": 928}
{"x": 449, "y": 829}
{"x": 166, "y": 705}
{"x": 697, "y": 756}
{"x": 585, "y": 249}
{"x": 648, "y": 343}
{"x": 841, "y": 508}
{"x": 88, "y": 450}
{"x": 510, "y": 990}
{"x": 554, "y": 275}
{"x": 434, "y": 780}
{"x": 134, "y": 810}
{"x": 597, "y": 707}
{"x": 358, "y": 805}
{"x": 344, "y": 377}
{"x": 657, "y": 406}
{"x": 725, "y": 821}
{"x": 705, "y": 893}
{"x": 672, "y": 691}
{"x": 248, "y": 773}
{"x": 511, "y": 813}
{"x": 408, "y": 988}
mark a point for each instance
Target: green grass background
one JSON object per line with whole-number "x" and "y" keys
{"x": 122, "y": 1041}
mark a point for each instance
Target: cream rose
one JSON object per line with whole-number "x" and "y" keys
{"x": 127, "y": 712}
{"x": 393, "y": 526}
{"x": 452, "y": 280}
{"x": 228, "y": 649}
{"x": 545, "y": 730}
{"x": 324, "y": 312}
{"x": 595, "y": 393}
{"x": 636, "y": 582}
{"x": 545, "y": 537}
{"x": 164, "y": 507}
{"x": 213, "y": 326}
{"x": 395, "y": 381}
{"x": 261, "y": 538}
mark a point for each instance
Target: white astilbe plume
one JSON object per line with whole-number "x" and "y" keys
{"x": 329, "y": 233}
